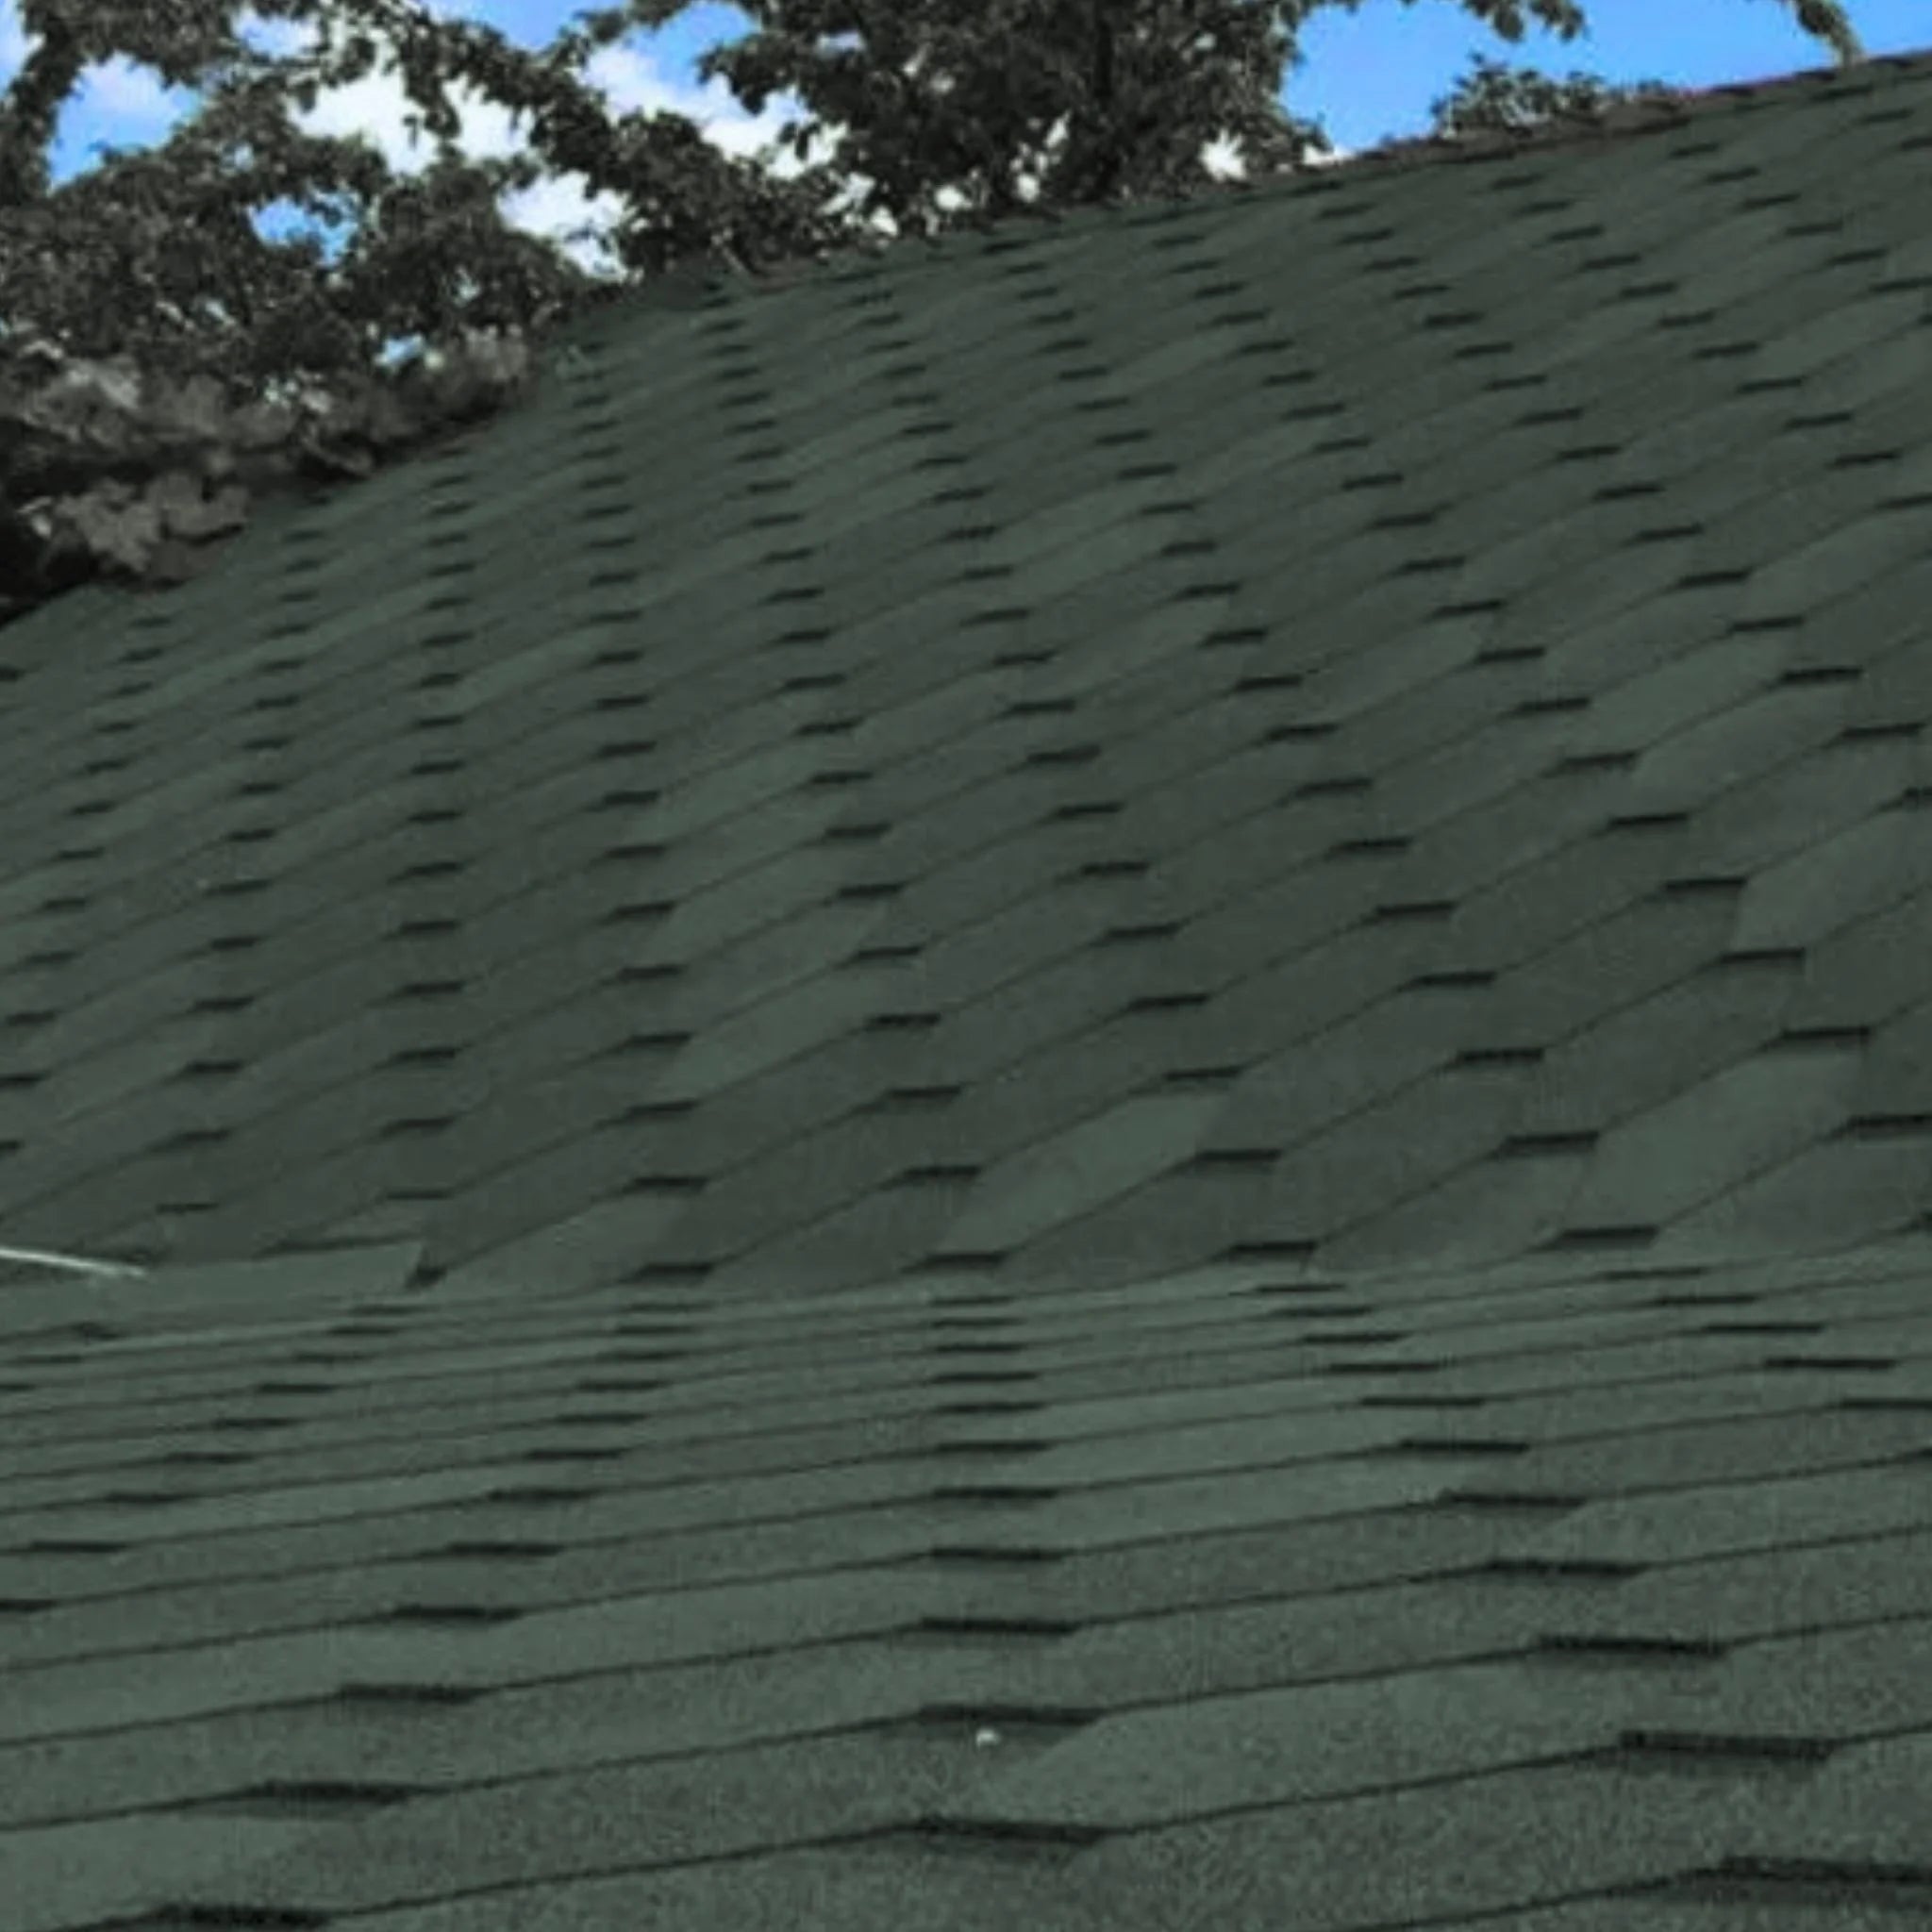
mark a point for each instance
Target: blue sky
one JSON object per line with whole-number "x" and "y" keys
{"x": 1368, "y": 76}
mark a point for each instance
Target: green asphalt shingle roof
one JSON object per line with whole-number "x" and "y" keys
{"x": 1080, "y": 1081}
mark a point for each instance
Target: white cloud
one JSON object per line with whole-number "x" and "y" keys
{"x": 118, "y": 89}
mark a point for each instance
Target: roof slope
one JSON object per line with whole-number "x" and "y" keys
{"x": 1080, "y": 1082}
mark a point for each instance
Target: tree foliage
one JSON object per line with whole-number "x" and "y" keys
{"x": 163, "y": 365}
{"x": 1495, "y": 96}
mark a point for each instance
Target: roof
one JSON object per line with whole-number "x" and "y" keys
{"x": 1082, "y": 1080}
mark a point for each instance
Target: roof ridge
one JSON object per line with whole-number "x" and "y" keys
{"x": 1636, "y": 114}
{"x": 697, "y": 280}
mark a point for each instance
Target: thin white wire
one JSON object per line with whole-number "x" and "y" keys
{"x": 70, "y": 1261}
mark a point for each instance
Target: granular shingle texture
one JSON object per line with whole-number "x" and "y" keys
{"x": 1082, "y": 1080}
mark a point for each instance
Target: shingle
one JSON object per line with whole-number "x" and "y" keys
{"x": 1125, "y": 1126}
